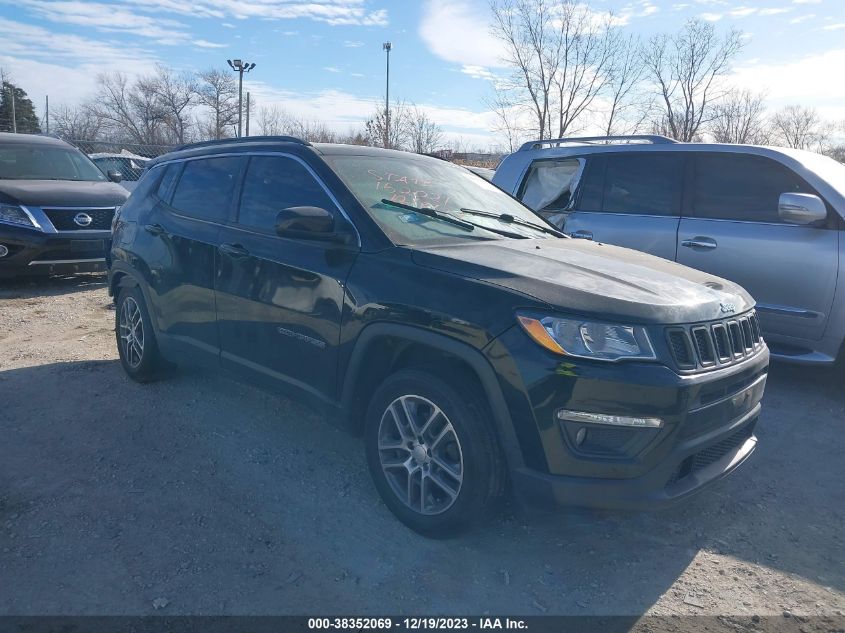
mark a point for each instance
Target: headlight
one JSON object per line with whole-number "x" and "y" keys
{"x": 589, "y": 339}
{"x": 13, "y": 214}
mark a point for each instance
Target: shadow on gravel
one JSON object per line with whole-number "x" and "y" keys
{"x": 221, "y": 498}
{"x": 25, "y": 287}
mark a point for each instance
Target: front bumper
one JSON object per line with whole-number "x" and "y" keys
{"x": 709, "y": 420}
{"x": 33, "y": 252}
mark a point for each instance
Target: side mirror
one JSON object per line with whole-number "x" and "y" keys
{"x": 801, "y": 208}
{"x": 114, "y": 175}
{"x": 309, "y": 223}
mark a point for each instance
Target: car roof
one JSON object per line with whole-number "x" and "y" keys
{"x": 9, "y": 138}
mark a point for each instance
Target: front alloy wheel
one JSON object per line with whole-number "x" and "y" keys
{"x": 432, "y": 450}
{"x": 420, "y": 454}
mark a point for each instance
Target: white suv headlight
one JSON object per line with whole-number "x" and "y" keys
{"x": 13, "y": 214}
{"x": 589, "y": 339}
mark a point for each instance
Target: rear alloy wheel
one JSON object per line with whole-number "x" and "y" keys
{"x": 136, "y": 343}
{"x": 432, "y": 453}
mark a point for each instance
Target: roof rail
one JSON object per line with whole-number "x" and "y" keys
{"x": 243, "y": 139}
{"x": 656, "y": 139}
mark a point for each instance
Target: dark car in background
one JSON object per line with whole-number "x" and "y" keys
{"x": 469, "y": 341}
{"x": 56, "y": 207}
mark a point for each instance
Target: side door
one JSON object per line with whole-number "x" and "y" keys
{"x": 197, "y": 198}
{"x": 279, "y": 300}
{"x": 630, "y": 199}
{"x": 732, "y": 229}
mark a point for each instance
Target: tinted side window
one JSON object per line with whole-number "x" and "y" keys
{"x": 273, "y": 183}
{"x": 742, "y": 187}
{"x": 206, "y": 186}
{"x": 643, "y": 182}
{"x": 165, "y": 187}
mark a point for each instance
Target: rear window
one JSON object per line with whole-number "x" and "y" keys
{"x": 644, "y": 183}
{"x": 206, "y": 187}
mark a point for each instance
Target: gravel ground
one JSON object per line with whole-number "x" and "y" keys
{"x": 200, "y": 495}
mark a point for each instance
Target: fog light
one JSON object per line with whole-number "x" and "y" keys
{"x": 611, "y": 420}
{"x": 580, "y": 436}
{"x": 3, "y": 251}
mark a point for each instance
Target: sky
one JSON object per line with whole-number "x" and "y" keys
{"x": 323, "y": 59}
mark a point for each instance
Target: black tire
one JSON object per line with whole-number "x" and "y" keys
{"x": 472, "y": 439}
{"x": 148, "y": 365}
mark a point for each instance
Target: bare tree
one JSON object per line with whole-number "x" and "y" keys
{"x": 424, "y": 135}
{"x": 271, "y": 120}
{"x": 686, "y": 68}
{"x": 583, "y": 53}
{"x": 77, "y": 123}
{"x": 508, "y": 117}
{"x": 218, "y": 92}
{"x": 739, "y": 117}
{"x": 377, "y": 126}
{"x": 801, "y": 127}
{"x": 176, "y": 94}
{"x": 627, "y": 109}
{"x": 525, "y": 27}
{"x": 128, "y": 111}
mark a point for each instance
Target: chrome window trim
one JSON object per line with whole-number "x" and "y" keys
{"x": 308, "y": 168}
{"x": 50, "y": 262}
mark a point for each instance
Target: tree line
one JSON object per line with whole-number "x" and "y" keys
{"x": 168, "y": 108}
{"x": 572, "y": 69}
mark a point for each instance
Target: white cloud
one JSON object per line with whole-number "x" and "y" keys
{"x": 353, "y": 44}
{"x": 834, "y": 27}
{"x": 207, "y": 44}
{"x": 807, "y": 80}
{"x": 478, "y": 72}
{"x": 711, "y": 17}
{"x": 459, "y": 32}
{"x": 806, "y": 1}
{"x": 333, "y": 12}
{"x": 331, "y": 69}
{"x": 802, "y": 18}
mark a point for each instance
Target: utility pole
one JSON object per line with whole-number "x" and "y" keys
{"x": 387, "y": 46}
{"x": 47, "y": 112}
{"x": 240, "y": 67}
{"x": 247, "y": 113}
{"x": 14, "y": 116}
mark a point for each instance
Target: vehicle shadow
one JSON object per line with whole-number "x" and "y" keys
{"x": 26, "y": 287}
{"x": 225, "y": 499}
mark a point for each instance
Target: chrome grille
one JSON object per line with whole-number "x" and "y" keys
{"x": 63, "y": 218}
{"x": 718, "y": 343}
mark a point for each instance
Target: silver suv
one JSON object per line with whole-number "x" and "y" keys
{"x": 768, "y": 218}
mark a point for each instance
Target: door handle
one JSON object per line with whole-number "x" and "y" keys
{"x": 700, "y": 242}
{"x": 582, "y": 235}
{"x": 154, "y": 229}
{"x": 235, "y": 251}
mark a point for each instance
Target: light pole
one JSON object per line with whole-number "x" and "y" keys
{"x": 387, "y": 46}
{"x": 240, "y": 67}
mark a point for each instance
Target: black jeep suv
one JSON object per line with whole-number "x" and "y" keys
{"x": 56, "y": 207}
{"x": 472, "y": 344}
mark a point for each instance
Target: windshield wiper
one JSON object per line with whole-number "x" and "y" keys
{"x": 431, "y": 213}
{"x": 509, "y": 219}
{"x": 446, "y": 217}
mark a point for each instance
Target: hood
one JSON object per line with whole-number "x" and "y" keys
{"x": 592, "y": 279}
{"x": 62, "y": 193}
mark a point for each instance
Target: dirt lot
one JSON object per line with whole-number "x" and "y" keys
{"x": 204, "y": 496}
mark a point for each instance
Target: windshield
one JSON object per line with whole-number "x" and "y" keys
{"x": 22, "y": 162}
{"x": 827, "y": 169}
{"x": 434, "y": 184}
